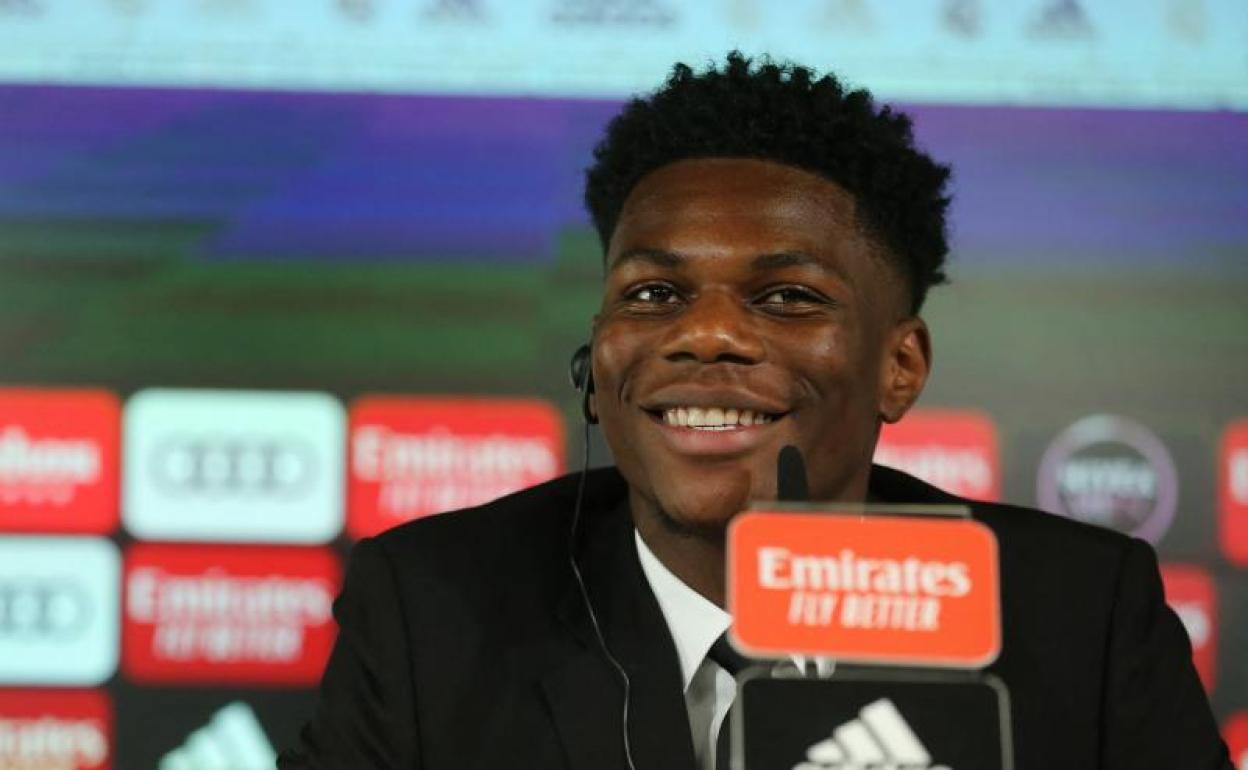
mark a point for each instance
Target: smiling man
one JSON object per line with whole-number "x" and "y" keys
{"x": 747, "y": 307}
{"x": 769, "y": 241}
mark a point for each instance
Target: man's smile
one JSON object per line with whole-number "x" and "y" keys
{"x": 709, "y": 405}
{"x": 715, "y": 440}
{"x": 714, "y": 417}
{"x": 713, "y": 422}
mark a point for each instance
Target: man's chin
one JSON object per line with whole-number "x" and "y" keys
{"x": 705, "y": 518}
{"x": 710, "y": 530}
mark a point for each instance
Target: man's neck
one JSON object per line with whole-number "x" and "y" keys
{"x": 697, "y": 558}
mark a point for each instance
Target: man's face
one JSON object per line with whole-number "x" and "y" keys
{"x": 745, "y": 310}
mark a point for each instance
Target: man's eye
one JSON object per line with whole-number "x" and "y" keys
{"x": 790, "y": 296}
{"x": 653, "y": 294}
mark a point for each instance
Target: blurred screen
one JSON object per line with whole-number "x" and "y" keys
{"x": 265, "y": 299}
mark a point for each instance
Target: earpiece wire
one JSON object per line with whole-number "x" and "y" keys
{"x": 589, "y": 607}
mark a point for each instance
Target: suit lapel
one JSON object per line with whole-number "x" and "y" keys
{"x": 584, "y": 697}
{"x": 586, "y": 694}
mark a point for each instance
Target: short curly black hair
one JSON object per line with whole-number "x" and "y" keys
{"x": 784, "y": 113}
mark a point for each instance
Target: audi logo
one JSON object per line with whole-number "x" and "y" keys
{"x": 233, "y": 465}
{"x": 30, "y": 608}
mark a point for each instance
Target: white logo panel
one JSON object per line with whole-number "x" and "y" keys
{"x": 233, "y": 738}
{"x": 880, "y": 737}
{"x": 240, "y": 466}
{"x": 60, "y": 610}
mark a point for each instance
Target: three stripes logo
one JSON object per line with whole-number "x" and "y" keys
{"x": 879, "y": 738}
{"x": 233, "y": 738}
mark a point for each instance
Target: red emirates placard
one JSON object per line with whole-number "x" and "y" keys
{"x": 1233, "y": 492}
{"x": 411, "y": 457}
{"x": 55, "y": 730}
{"x": 1191, "y": 593}
{"x": 1235, "y": 732}
{"x": 59, "y": 461}
{"x": 903, "y": 590}
{"x": 245, "y": 615}
{"x": 953, "y": 450}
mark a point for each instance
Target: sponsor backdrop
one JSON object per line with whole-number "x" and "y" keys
{"x": 273, "y": 282}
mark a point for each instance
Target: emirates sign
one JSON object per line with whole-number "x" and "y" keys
{"x": 411, "y": 457}
{"x": 1233, "y": 492}
{"x": 876, "y": 588}
{"x": 1191, "y": 593}
{"x": 242, "y": 615}
{"x": 953, "y": 450}
{"x": 55, "y": 730}
{"x": 1235, "y": 732}
{"x": 59, "y": 461}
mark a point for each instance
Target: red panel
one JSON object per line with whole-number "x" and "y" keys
{"x": 1235, "y": 731}
{"x": 237, "y": 614}
{"x": 59, "y": 461}
{"x": 896, "y": 590}
{"x": 1191, "y": 592}
{"x": 411, "y": 457}
{"x": 954, "y": 450}
{"x": 63, "y": 729}
{"x": 1233, "y": 492}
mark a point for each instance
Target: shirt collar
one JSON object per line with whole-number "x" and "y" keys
{"x": 695, "y": 622}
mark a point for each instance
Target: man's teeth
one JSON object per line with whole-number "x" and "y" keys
{"x": 713, "y": 418}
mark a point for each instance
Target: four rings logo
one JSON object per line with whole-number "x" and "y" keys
{"x": 238, "y": 466}
{"x": 47, "y": 610}
{"x": 59, "y": 610}
{"x": 233, "y": 465}
{"x": 1113, "y": 472}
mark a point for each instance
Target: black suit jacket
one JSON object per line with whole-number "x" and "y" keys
{"x": 464, "y": 643}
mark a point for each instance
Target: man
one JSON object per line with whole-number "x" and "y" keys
{"x": 769, "y": 241}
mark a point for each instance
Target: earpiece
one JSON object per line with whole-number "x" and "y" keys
{"x": 582, "y": 373}
{"x": 580, "y": 369}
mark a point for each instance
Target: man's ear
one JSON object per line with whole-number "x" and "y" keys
{"x": 906, "y": 365}
{"x": 591, "y": 400}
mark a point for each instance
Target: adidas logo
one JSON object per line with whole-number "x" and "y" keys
{"x": 233, "y": 738}
{"x": 879, "y": 739}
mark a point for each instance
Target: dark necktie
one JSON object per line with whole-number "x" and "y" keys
{"x": 734, "y": 663}
{"x": 728, "y": 658}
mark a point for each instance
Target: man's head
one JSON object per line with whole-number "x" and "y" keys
{"x": 785, "y": 114}
{"x": 769, "y": 240}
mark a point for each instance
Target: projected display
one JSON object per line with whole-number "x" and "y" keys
{"x": 1151, "y": 53}
{"x": 284, "y": 321}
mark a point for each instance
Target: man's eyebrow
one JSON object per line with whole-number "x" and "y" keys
{"x": 782, "y": 259}
{"x": 656, "y": 257}
{"x": 771, "y": 261}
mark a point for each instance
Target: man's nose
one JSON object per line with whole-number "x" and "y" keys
{"x": 716, "y": 327}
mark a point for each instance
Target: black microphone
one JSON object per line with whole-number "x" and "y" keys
{"x": 897, "y": 714}
{"x": 791, "y": 475}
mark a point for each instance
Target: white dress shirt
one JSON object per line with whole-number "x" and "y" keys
{"x": 695, "y": 623}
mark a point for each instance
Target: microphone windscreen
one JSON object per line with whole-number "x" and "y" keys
{"x": 791, "y": 475}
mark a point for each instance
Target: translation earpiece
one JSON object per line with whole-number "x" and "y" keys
{"x": 581, "y": 371}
